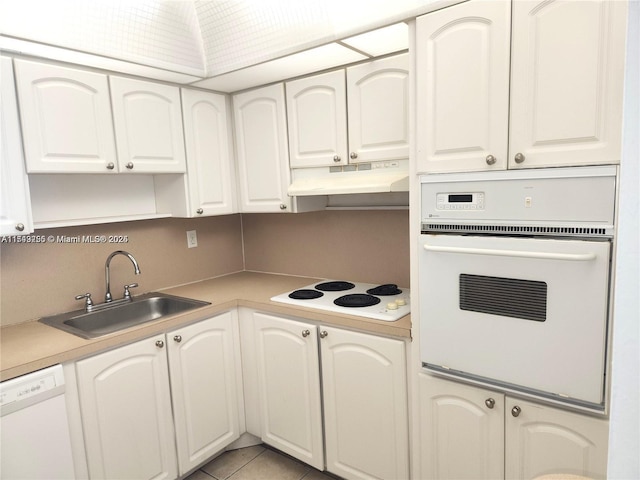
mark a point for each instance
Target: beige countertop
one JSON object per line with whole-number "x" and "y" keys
{"x": 31, "y": 346}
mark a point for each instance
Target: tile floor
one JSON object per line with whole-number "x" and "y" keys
{"x": 257, "y": 463}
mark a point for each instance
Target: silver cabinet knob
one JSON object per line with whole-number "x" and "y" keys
{"x": 353, "y": 155}
{"x": 110, "y": 166}
{"x": 515, "y": 411}
{"x": 20, "y": 227}
{"x": 490, "y": 159}
{"x": 490, "y": 402}
{"x": 519, "y": 158}
{"x": 306, "y": 333}
{"x": 283, "y": 206}
{"x": 199, "y": 211}
{"x": 159, "y": 344}
{"x": 177, "y": 338}
{"x": 130, "y": 165}
{"x": 336, "y": 158}
{"x": 323, "y": 333}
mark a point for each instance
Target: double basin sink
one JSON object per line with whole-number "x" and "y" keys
{"x": 110, "y": 318}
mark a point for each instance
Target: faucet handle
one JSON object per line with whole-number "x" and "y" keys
{"x": 88, "y": 303}
{"x": 127, "y": 293}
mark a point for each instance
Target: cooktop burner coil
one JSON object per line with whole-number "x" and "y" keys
{"x": 305, "y": 294}
{"x": 335, "y": 286}
{"x": 356, "y": 300}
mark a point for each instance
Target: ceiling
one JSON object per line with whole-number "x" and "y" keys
{"x": 207, "y": 39}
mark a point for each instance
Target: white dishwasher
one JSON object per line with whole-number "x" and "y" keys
{"x": 34, "y": 431}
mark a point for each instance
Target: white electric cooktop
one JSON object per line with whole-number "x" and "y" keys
{"x": 385, "y": 302}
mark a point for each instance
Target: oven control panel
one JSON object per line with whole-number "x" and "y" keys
{"x": 460, "y": 201}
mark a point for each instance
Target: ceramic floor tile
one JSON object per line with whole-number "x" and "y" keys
{"x": 317, "y": 475}
{"x": 230, "y": 462}
{"x": 199, "y": 475}
{"x": 272, "y": 466}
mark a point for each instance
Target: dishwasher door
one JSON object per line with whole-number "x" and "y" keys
{"x": 35, "y": 439}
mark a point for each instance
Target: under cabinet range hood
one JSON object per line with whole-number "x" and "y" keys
{"x": 394, "y": 177}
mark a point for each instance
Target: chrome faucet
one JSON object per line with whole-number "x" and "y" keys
{"x": 107, "y": 296}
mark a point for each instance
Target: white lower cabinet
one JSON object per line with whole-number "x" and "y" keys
{"x": 468, "y": 432}
{"x": 363, "y": 395}
{"x": 126, "y": 397}
{"x": 289, "y": 386}
{"x": 365, "y": 405}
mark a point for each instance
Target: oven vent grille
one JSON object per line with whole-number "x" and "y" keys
{"x": 515, "y": 229}
{"x": 508, "y": 297}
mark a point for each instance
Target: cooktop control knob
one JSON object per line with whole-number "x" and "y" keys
{"x": 401, "y": 301}
{"x": 392, "y": 306}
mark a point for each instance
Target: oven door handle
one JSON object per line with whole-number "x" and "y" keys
{"x": 575, "y": 257}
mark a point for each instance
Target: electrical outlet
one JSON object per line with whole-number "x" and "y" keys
{"x": 192, "y": 239}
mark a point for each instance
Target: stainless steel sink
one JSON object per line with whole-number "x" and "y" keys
{"x": 112, "y": 318}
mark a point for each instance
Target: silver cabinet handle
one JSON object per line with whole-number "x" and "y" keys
{"x": 353, "y": 155}
{"x": 177, "y": 338}
{"x": 283, "y": 206}
{"x": 130, "y": 165}
{"x": 110, "y": 166}
{"x": 159, "y": 344}
{"x": 490, "y": 159}
{"x": 515, "y": 411}
{"x": 20, "y": 227}
{"x": 199, "y": 211}
{"x": 323, "y": 333}
{"x": 490, "y": 402}
{"x": 336, "y": 158}
{"x": 306, "y": 333}
{"x": 519, "y": 158}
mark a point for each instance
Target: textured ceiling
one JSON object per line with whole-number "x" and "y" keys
{"x": 201, "y": 37}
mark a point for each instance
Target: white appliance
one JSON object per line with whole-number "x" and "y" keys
{"x": 33, "y": 426}
{"x": 514, "y": 279}
{"x": 385, "y": 302}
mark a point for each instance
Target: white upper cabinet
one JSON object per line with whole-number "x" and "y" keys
{"x": 15, "y": 203}
{"x": 364, "y": 117}
{"x": 567, "y": 64}
{"x": 378, "y": 106}
{"x": 261, "y": 148}
{"x": 148, "y": 125}
{"x": 317, "y": 118}
{"x": 210, "y": 170}
{"x": 462, "y": 87}
{"x": 66, "y": 119}
{"x": 561, "y": 105}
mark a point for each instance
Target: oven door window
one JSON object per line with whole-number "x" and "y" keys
{"x": 509, "y": 297}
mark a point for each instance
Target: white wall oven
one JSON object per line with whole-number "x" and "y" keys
{"x": 515, "y": 279}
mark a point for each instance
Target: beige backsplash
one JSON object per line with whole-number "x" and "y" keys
{"x": 42, "y": 279}
{"x": 358, "y": 245}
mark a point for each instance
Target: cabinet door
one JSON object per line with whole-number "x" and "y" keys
{"x": 566, "y": 83}
{"x": 15, "y": 203}
{"x": 203, "y": 366}
{"x": 365, "y": 405}
{"x": 148, "y": 125}
{"x": 461, "y": 431}
{"x": 261, "y": 147}
{"x": 289, "y": 385}
{"x": 462, "y": 87}
{"x": 210, "y": 179}
{"x": 317, "y": 120}
{"x": 544, "y": 440}
{"x": 378, "y": 106}
{"x": 126, "y": 412}
{"x": 66, "y": 119}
